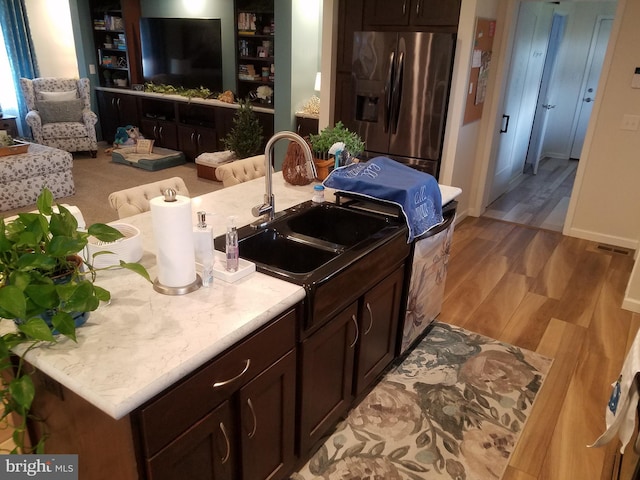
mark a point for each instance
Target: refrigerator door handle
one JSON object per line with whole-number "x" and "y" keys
{"x": 396, "y": 95}
{"x": 388, "y": 90}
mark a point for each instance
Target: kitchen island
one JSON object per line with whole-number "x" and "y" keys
{"x": 115, "y": 396}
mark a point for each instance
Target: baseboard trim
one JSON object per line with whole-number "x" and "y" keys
{"x": 631, "y": 304}
{"x": 630, "y": 243}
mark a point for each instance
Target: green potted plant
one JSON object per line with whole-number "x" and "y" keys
{"x": 245, "y": 138}
{"x": 45, "y": 289}
{"x": 322, "y": 142}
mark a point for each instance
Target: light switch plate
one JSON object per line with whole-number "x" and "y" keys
{"x": 635, "y": 81}
{"x": 630, "y": 122}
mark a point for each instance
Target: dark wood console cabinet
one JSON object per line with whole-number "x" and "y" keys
{"x": 191, "y": 127}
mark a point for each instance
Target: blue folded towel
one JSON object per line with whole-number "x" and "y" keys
{"x": 417, "y": 193}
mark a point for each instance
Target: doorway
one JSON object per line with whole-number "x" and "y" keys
{"x": 531, "y": 180}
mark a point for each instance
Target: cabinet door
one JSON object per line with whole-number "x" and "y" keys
{"x": 379, "y": 312}
{"x": 116, "y": 111}
{"x": 164, "y": 133}
{"x": 435, "y": 12}
{"x": 204, "y": 452}
{"x": 384, "y": 12}
{"x": 327, "y": 376}
{"x": 267, "y": 406}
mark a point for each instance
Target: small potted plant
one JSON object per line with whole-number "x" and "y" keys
{"x": 245, "y": 138}
{"x": 322, "y": 142}
{"x": 45, "y": 288}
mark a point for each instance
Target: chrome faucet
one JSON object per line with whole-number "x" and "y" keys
{"x": 268, "y": 210}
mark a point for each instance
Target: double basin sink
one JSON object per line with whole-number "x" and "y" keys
{"x": 333, "y": 251}
{"x": 310, "y": 241}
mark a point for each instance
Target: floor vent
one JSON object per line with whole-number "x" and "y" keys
{"x": 611, "y": 249}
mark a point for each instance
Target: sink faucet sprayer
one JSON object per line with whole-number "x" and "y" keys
{"x": 268, "y": 209}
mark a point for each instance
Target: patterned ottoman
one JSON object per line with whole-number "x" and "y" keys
{"x": 23, "y": 176}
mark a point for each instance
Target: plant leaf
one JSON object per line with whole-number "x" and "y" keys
{"x": 22, "y": 391}
{"x": 43, "y": 295}
{"x": 37, "y": 329}
{"x": 104, "y": 232}
{"x": 137, "y": 268}
{"x": 12, "y": 302}
{"x": 45, "y": 201}
{"x": 64, "y": 323}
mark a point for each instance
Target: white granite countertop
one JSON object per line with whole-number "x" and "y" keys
{"x": 144, "y": 341}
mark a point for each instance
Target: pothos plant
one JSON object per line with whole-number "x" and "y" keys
{"x": 44, "y": 283}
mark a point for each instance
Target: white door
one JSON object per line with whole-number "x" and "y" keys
{"x": 525, "y": 72}
{"x": 544, "y": 104}
{"x": 598, "y": 49}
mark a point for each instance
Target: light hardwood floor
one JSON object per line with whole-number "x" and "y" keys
{"x": 561, "y": 297}
{"x": 538, "y": 200}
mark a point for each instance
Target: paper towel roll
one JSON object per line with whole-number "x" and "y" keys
{"x": 173, "y": 232}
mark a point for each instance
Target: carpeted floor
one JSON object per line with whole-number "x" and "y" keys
{"x": 96, "y": 178}
{"x": 453, "y": 409}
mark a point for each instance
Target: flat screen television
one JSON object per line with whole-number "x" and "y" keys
{"x": 183, "y": 52}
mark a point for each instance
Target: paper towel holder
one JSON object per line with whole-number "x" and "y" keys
{"x": 166, "y": 290}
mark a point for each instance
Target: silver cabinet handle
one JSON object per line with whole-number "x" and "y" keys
{"x": 193, "y": 138}
{"x": 226, "y": 382}
{"x": 418, "y": 8}
{"x": 370, "y": 319}
{"x": 155, "y": 132}
{"x": 404, "y": 8}
{"x": 160, "y": 133}
{"x": 255, "y": 420}
{"x": 355, "y": 322}
{"x": 226, "y": 441}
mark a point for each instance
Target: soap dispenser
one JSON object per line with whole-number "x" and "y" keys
{"x": 231, "y": 246}
{"x": 203, "y": 243}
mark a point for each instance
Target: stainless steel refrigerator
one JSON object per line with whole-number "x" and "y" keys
{"x": 400, "y": 92}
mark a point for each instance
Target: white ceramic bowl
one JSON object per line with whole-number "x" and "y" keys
{"x": 128, "y": 248}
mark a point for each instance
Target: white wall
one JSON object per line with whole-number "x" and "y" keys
{"x": 56, "y": 54}
{"x": 605, "y": 198}
{"x": 464, "y": 144}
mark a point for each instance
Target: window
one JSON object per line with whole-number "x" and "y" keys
{"x": 8, "y": 90}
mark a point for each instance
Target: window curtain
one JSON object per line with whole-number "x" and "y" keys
{"x": 22, "y": 58}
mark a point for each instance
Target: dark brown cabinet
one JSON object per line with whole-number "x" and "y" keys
{"x": 163, "y": 132}
{"x": 327, "y": 377}
{"x": 115, "y": 30}
{"x": 411, "y": 13}
{"x": 346, "y": 356}
{"x": 234, "y": 418}
{"x": 255, "y": 43}
{"x": 204, "y": 452}
{"x": 378, "y": 327}
{"x": 116, "y": 110}
{"x": 194, "y": 140}
{"x": 189, "y": 126}
{"x": 267, "y": 419}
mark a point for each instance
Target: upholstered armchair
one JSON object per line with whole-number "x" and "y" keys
{"x": 60, "y": 113}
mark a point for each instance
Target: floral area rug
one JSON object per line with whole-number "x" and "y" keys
{"x": 453, "y": 409}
